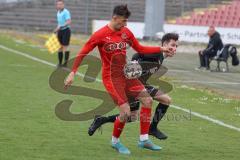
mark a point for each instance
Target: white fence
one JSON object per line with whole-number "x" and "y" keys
{"x": 187, "y": 33}
{"x": 199, "y": 34}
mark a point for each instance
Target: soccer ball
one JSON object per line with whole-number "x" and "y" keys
{"x": 132, "y": 70}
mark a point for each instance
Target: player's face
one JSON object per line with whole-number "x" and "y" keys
{"x": 59, "y": 5}
{"x": 119, "y": 22}
{"x": 172, "y": 44}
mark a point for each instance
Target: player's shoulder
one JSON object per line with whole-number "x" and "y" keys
{"x": 126, "y": 30}
{"x": 66, "y": 11}
{"x": 100, "y": 32}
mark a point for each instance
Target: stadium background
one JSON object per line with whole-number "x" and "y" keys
{"x": 29, "y": 128}
{"x": 40, "y": 14}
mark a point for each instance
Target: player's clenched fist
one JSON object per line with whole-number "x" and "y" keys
{"x": 69, "y": 80}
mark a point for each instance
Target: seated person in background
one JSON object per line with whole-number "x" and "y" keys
{"x": 214, "y": 45}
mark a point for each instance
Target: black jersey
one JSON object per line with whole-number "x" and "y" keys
{"x": 150, "y": 64}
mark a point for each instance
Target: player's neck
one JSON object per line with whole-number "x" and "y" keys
{"x": 111, "y": 26}
{"x": 60, "y": 10}
{"x": 164, "y": 55}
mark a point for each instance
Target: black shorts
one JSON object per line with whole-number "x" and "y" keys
{"x": 135, "y": 104}
{"x": 64, "y": 36}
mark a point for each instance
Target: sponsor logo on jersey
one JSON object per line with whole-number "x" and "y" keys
{"x": 124, "y": 36}
{"x": 116, "y": 46}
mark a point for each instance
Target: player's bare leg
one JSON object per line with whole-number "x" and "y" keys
{"x": 145, "y": 116}
{"x": 163, "y": 98}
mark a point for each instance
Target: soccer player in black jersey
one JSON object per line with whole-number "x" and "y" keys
{"x": 150, "y": 65}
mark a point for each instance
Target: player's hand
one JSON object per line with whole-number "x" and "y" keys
{"x": 56, "y": 30}
{"x": 169, "y": 51}
{"x": 69, "y": 80}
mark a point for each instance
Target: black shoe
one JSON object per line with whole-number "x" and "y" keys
{"x": 97, "y": 122}
{"x": 157, "y": 134}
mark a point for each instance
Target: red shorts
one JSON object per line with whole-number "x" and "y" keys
{"x": 123, "y": 88}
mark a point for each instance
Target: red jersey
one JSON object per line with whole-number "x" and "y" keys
{"x": 110, "y": 43}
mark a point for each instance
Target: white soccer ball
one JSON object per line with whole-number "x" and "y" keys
{"x": 132, "y": 70}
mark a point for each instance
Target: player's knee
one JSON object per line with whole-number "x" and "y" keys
{"x": 148, "y": 101}
{"x": 64, "y": 48}
{"x": 60, "y": 49}
{"x": 124, "y": 115}
{"x": 168, "y": 100}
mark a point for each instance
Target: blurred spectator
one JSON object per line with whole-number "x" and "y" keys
{"x": 214, "y": 45}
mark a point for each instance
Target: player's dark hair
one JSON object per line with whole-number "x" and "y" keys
{"x": 170, "y": 36}
{"x": 121, "y": 10}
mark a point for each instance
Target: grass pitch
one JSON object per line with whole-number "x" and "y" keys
{"x": 30, "y": 130}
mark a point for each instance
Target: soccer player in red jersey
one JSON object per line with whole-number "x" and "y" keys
{"x": 112, "y": 41}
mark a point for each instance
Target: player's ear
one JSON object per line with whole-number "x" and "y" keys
{"x": 114, "y": 17}
{"x": 164, "y": 44}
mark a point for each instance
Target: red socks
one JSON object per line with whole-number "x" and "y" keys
{"x": 118, "y": 127}
{"x": 145, "y": 118}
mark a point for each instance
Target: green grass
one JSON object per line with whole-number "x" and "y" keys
{"x": 30, "y": 130}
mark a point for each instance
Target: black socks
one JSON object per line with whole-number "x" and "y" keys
{"x": 111, "y": 118}
{"x": 67, "y": 53}
{"x": 60, "y": 58}
{"x": 66, "y": 58}
{"x": 158, "y": 115}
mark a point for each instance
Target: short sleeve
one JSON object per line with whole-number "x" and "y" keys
{"x": 67, "y": 15}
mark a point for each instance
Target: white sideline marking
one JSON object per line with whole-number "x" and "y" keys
{"x": 27, "y": 56}
{"x": 178, "y": 71}
{"x": 36, "y": 59}
{"x": 207, "y": 118}
{"x": 204, "y": 82}
{"x": 218, "y": 122}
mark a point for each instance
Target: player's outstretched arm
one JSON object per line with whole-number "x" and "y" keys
{"x": 88, "y": 47}
{"x": 149, "y": 49}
